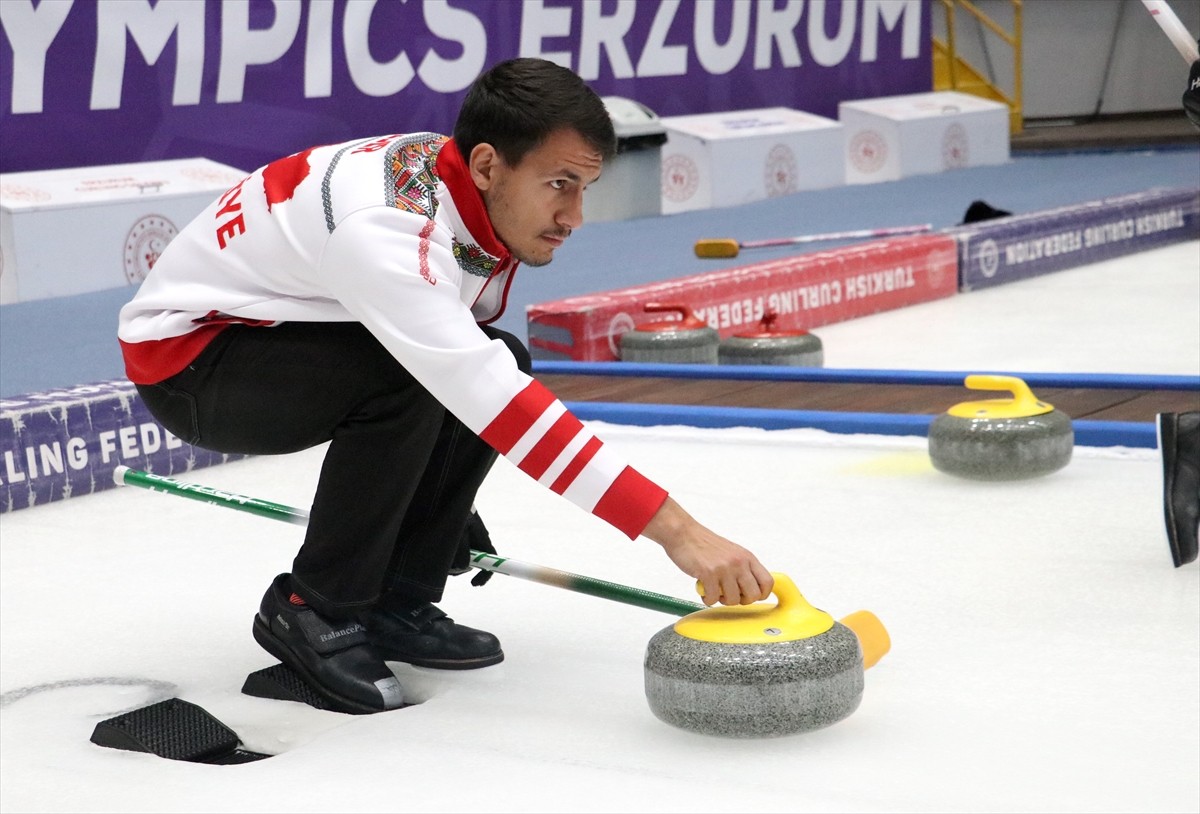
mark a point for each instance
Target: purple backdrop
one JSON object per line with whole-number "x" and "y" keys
{"x": 116, "y": 81}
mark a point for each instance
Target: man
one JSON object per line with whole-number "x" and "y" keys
{"x": 1179, "y": 433}
{"x": 343, "y": 295}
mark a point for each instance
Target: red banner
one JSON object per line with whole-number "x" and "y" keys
{"x": 804, "y": 292}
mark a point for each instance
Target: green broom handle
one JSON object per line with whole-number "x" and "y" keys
{"x": 125, "y": 476}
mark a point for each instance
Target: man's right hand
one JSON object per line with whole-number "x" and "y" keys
{"x": 727, "y": 572}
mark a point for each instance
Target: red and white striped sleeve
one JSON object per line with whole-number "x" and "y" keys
{"x": 549, "y": 444}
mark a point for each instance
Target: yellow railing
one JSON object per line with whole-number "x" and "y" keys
{"x": 952, "y": 72}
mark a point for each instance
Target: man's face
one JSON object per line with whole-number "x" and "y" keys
{"x": 535, "y": 205}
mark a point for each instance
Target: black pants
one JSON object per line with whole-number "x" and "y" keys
{"x": 400, "y": 474}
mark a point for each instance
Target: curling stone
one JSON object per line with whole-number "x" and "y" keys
{"x": 768, "y": 345}
{"x": 1001, "y": 439}
{"x": 686, "y": 339}
{"x": 761, "y": 670}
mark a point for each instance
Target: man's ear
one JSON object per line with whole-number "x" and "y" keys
{"x": 483, "y": 163}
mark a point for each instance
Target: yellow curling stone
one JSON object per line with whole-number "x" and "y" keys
{"x": 1001, "y": 439}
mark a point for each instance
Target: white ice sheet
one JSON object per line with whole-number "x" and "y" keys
{"x": 1045, "y": 652}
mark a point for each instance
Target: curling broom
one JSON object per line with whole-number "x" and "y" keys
{"x": 728, "y": 247}
{"x": 125, "y": 476}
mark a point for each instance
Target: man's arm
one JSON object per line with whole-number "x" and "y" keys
{"x": 728, "y": 573}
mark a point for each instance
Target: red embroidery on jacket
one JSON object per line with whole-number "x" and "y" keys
{"x": 423, "y": 252}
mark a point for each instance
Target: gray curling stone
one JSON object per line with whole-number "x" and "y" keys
{"x": 761, "y": 670}
{"x": 1001, "y": 439}
{"x": 768, "y": 345}
{"x": 684, "y": 340}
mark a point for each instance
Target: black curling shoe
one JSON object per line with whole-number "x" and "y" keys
{"x": 424, "y": 636}
{"x": 1179, "y": 440}
{"x": 333, "y": 657}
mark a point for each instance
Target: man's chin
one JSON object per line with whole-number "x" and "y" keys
{"x": 534, "y": 261}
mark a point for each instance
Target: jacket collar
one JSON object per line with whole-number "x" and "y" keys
{"x": 453, "y": 170}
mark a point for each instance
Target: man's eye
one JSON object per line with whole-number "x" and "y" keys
{"x": 558, "y": 184}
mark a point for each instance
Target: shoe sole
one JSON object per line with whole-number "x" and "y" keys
{"x": 448, "y": 664}
{"x": 269, "y": 642}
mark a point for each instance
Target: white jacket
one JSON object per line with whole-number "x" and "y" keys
{"x": 390, "y": 232}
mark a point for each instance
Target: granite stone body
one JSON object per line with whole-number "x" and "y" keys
{"x": 673, "y": 346}
{"x": 802, "y": 350}
{"x": 754, "y": 690}
{"x": 999, "y": 449}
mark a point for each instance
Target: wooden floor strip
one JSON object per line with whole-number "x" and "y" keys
{"x": 1101, "y": 404}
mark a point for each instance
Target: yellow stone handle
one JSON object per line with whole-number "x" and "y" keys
{"x": 1021, "y": 393}
{"x": 792, "y": 617}
{"x": 785, "y": 591}
{"x": 1022, "y": 404}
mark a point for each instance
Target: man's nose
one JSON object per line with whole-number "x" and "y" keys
{"x": 571, "y": 215}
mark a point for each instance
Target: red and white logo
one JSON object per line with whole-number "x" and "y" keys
{"x": 781, "y": 171}
{"x": 143, "y": 245}
{"x": 680, "y": 178}
{"x": 955, "y": 147}
{"x": 619, "y": 324}
{"x": 868, "y": 151}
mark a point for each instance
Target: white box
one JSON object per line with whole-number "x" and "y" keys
{"x": 724, "y": 159}
{"x": 628, "y": 185}
{"x": 897, "y": 136}
{"x": 71, "y": 231}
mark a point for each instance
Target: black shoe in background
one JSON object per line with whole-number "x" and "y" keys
{"x": 1179, "y": 442}
{"x": 422, "y": 635}
{"x": 335, "y": 658}
{"x": 981, "y": 211}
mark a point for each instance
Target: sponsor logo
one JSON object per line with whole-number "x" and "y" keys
{"x": 18, "y": 193}
{"x": 781, "y": 171}
{"x": 955, "y": 147}
{"x": 213, "y": 176}
{"x": 619, "y": 324}
{"x": 337, "y": 634}
{"x": 144, "y": 244}
{"x": 868, "y": 151}
{"x": 989, "y": 258}
{"x": 680, "y": 178}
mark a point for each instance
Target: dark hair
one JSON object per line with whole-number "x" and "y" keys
{"x": 518, "y": 103}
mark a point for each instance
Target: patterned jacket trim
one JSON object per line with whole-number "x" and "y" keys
{"x": 411, "y": 182}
